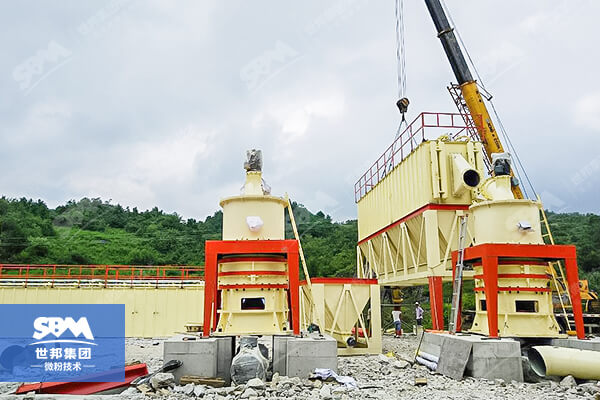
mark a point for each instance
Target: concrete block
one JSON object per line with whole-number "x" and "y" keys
{"x": 501, "y": 348}
{"x": 496, "y": 359}
{"x": 210, "y": 357}
{"x": 279, "y": 352}
{"x": 508, "y": 369}
{"x": 299, "y": 357}
{"x": 434, "y": 338}
{"x": 489, "y": 358}
{"x": 432, "y": 344}
{"x": 454, "y": 357}
{"x": 573, "y": 343}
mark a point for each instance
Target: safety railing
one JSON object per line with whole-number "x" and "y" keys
{"x": 51, "y": 275}
{"x": 406, "y": 143}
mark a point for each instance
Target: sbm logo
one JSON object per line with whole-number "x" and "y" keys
{"x": 57, "y": 326}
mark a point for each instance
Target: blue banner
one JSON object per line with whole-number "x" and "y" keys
{"x": 62, "y": 342}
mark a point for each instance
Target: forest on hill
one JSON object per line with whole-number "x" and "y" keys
{"x": 92, "y": 231}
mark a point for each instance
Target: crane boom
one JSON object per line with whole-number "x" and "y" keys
{"x": 468, "y": 86}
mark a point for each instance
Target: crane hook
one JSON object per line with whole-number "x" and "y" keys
{"x": 402, "y": 105}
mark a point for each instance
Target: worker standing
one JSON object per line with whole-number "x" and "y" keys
{"x": 397, "y": 316}
{"x": 418, "y": 314}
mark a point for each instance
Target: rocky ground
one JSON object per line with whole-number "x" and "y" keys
{"x": 378, "y": 377}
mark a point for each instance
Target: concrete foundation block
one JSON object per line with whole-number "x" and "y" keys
{"x": 489, "y": 358}
{"x": 495, "y": 359}
{"x": 299, "y": 357}
{"x": 432, "y": 344}
{"x": 210, "y": 357}
{"x": 508, "y": 369}
{"x": 502, "y": 348}
{"x": 454, "y": 356}
{"x": 573, "y": 343}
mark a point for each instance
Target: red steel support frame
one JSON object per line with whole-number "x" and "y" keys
{"x": 491, "y": 254}
{"x": 216, "y": 248}
{"x": 436, "y": 299}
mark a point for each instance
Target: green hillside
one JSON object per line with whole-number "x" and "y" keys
{"x": 91, "y": 231}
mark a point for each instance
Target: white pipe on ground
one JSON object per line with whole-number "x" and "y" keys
{"x": 429, "y": 364}
{"x": 563, "y": 361}
{"x": 429, "y": 357}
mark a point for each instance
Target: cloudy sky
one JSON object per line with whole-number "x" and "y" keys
{"x": 153, "y": 103}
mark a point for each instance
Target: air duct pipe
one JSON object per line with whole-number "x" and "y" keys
{"x": 497, "y": 188}
{"x": 464, "y": 175}
{"x": 563, "y": 361}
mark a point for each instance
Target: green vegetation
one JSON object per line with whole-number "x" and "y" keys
{"x": 584, "y": 232}
{"x": 91, "y": 231}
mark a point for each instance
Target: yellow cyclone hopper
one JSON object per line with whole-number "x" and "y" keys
{"x": 341, "y": 305}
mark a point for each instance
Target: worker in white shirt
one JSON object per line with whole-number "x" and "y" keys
{"x": 397, "y": 316}
{"x": 419, "y": 314}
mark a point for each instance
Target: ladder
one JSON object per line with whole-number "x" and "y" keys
{"x": 560, "y": 285}
{"x": 471, "y": 126}
{"x": 458, "y": 276}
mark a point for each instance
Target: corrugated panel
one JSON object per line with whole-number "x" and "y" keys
{"x": 148, "y": 312}
{"x": 410, "y": 185}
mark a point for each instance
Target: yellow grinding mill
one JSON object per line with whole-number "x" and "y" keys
{"x": 252, "y": 274}
{"x": 524, "y": 296}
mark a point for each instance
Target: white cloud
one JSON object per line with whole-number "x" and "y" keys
{"x": 294, "y": 117}
{"x": 151, "y": 110}
{"x": 587, "y": 111}
{"x": 173, "y": 157}
{"x": 44, "y": 122}
{"x": 141, "y": 173}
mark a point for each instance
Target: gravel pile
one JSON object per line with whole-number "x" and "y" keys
{"x": 378, "y": 377}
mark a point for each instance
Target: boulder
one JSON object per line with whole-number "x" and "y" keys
{"x": 162, "y": 380}
{"x": 568, "y": 382}
{"x": 255, "y": 383}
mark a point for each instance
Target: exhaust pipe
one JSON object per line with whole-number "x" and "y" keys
{"x": 464, "y": 176}
{"x": 563, "y": 361}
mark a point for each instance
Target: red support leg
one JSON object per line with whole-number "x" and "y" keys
{"x": 210, "y": 289}
{"x": 294, "y": 286}
{"x": 573, "y": 285}
{"x": 490, "y": 281}
{"x": 436, "y": 299}
{"x": 211, "y": 293}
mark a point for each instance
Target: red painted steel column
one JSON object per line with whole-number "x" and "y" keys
{"x": 573, "y": 284}
{"x": 294, "y": 282}
{"x": 436, "y": 298}
{"x": 490, "y": 281}
{"x": 210, "y": 287}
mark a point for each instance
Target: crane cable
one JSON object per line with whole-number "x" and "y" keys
{"x": 503, "y": 131}
{"x": 403, "y": 102}
{"x": 400, "y": 48}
